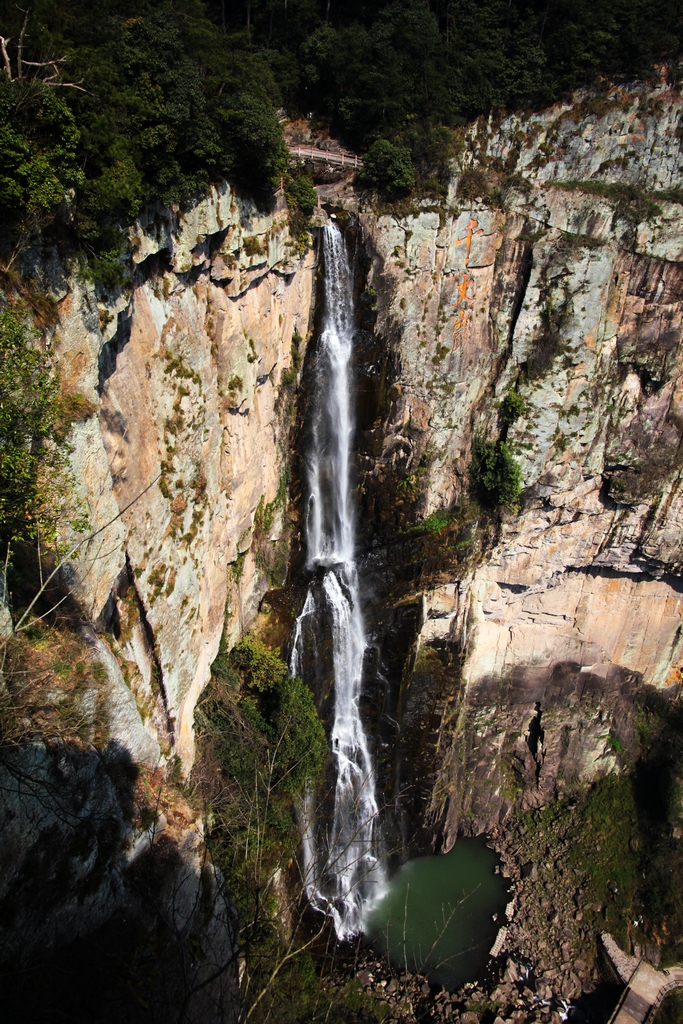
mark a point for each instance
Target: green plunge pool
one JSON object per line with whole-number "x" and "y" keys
{"x": 437, "y": 915}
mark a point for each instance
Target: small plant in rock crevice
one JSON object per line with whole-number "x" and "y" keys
{"x": 271, "y": 555}
{"x": 236, "y": 568}
{"x": 253, "y": 246}
{"x": 631, "y": 202}
{"x": 512, "y": 407}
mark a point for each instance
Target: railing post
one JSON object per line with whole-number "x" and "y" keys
{"x": 342, "y": 159}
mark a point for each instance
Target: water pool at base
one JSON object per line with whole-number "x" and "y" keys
{"x": 437, "y": 915}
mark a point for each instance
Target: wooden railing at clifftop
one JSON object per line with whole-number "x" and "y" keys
{"x": 312, "y": 153}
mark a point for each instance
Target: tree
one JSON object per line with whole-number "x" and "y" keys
{"x": 300, "y": 192}
{"x": 38, "y": 159}
{"x": 262, "y": 744}
{"x": 258, "y": 154}
{"x": 388, "y": 168}
{"x": 495, "y": 474}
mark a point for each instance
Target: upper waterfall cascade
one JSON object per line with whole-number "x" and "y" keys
{"x": 344, "y": 869}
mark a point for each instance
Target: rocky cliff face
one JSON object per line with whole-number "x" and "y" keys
{"x": 507, "y": 649}
{"x": 555, "y": 269}
{"x": 189, "y": 434}
{"x": 186, "y": 380}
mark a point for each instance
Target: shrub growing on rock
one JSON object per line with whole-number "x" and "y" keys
{"x": 495, "y": 474}
{"x": 300, "y": 191}
{"x": 35, "y": 482}
{"x": 286, "y": 707}
{"x": 388, "y": 168}
{"x": 511, "y": 407}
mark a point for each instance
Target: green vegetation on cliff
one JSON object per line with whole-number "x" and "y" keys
{"x": 615, "y": 848}
{"x": 260, "y": 743}
{"x": 158, "y": 98}
{"x": 276, "y": 709}
{"x": 35, "y": 482}
{"x": 156, "y": 102}
{"x": 495, "y": 475}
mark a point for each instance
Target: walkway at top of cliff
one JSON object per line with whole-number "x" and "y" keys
{"x": 645, "y": 992}
{"x": 645, "y": 986}
{"x": 341, "y": 159}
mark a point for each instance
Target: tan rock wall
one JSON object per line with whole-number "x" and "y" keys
{"x": 191, "y": 432}
{"x": 574, "y": 297}
{"x": 191, "y": 426}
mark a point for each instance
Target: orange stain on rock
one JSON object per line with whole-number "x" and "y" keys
{"x": 462, "y": 288}
{"x": 459, "y": 325}
{"x": 467, "y": 238}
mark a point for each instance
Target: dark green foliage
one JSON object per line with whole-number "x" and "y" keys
{"x": 410, "y": 72}
{"x": 262, "y": 668}
{"x": 624, "y": 835}
{"x": 34, "y": 479}
{"x": 261, "y": 744}
{"x": 495, "y": 475}
{"x": 300, "y": 191}
{"x": 662, "y": 895}
{"x": 257, "y": 155}
{"x": 659, "y": 791}
{"x": 170, "y": 103}
{"x": 388, "y": 168}
{"x": 607, "y": 853}
{"x": 182, "y": 92}
{"x": 38, "y": 152}
{"x": 301, "y": 737}
{"x": 301, "y": 198}
{"x": 280, "y": 708}
{"x": 596, "y": 828}
{"x": 511, "y": 407}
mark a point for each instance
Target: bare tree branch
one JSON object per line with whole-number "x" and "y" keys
{"x": 45, "y": 63}
{"x": 5, "y": 56}
{"x": 20, "y": 44}
{"x": 69, "y": 85}
{"x": 23, "y": 623}
{"x": 52, "y": 79}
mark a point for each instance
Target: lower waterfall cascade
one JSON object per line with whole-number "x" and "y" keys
{"x": 343, "y": 867}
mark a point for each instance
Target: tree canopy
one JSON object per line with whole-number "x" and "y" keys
{"x": 165, "y": 96}
{"x": 159, "y": 103}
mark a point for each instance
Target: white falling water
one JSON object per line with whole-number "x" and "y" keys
{"x": 329, "y": 523}
{"x": 346, "y": 874}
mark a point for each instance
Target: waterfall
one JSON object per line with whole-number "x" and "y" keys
{"x": 343, "y": 868}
